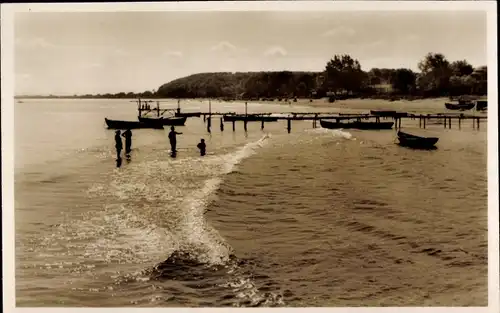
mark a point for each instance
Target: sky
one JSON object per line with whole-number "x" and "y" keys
{"x": 100, "y": 52}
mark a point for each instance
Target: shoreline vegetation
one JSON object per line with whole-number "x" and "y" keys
{"x": 341, "y": 79}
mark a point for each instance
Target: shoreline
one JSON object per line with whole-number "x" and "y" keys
{"x": 419, "y": 105}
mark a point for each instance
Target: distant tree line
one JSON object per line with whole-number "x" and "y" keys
{"x": 342, "y": 78}
{"x": 120, "y": 95}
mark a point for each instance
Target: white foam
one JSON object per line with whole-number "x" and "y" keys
{"x": 183, "y": 187}
{"x": 335, "y": 132}
{"x": 195, "y": 230}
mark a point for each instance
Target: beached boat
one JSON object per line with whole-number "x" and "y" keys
{"x": 115, "y": 124}
{"x": 170, "y": 121}
{"x": 481, "y": 105}
{"x": 461, "y": 105}
{"x": 356, "y": 125}
{"x": 417, "y": 142}
{"x": 249, "y": 118}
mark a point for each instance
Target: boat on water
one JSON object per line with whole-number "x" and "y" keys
{"x": 187, "y": 114}
{"x": 461, "y": 105}
{"x": 382, "y": 112}
{"x": 481, "y": 105}
{"x": 356, "y": 125}
{"x": 169, "y": 121}
{"x": 416, "y": 142}
{"x": 116, "y": 124}
{"x": 388, "y": 113}
{"x": 249, "y": 118}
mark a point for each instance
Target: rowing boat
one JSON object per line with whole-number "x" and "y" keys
{"x": 249, "y": 118}
{"x": 417, "y": 142}
{"x": 356, "y": 125}
{"x": 116, "y": 124}
{"x": 170, "y": 121}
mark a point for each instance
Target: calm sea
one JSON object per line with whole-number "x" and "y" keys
{"x": 312, "y": 218}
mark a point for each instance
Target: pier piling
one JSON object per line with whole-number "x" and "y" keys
{"x": 289, "y": 125}
{"x": 459, "y": 122}
{"x": 221, "y": 124}
{"x": 262, "y": 124}
{"x": 478, "y": 123}
{"x": 234, "y": 126}
{"x": 209, "y": 124}
{"x": 449, "y": 123}
{"x": 424, "y": 121}
{"x": 245, "y": 125}
{"x": 444, "y": 122}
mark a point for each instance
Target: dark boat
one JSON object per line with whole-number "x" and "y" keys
{"x": 249, "y": 118}
{"x": 187, "y": 114}
{"x": 417, "y": 142}
{"x": 356, "y": 125}
{"x": 388, "y": 113}
{"x": 170, "y": 121}
{"x": 114, "y": 124}
{"x": 481, "y": 105}
{"x": 461, "y": 105}
{"x": 383, "y": 113}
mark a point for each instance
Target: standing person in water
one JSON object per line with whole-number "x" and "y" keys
{"x": 202, "y": 146}
{"x": 128, "y": 141}
{"x": 118, "y": 144}
{"x": 172, "y": 136}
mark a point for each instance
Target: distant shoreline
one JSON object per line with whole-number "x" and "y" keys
{"x": 389, "y": 98}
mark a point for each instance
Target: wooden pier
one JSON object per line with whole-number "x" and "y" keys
{"x": 447, "y": 119}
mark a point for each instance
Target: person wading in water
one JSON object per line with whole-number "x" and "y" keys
{"x": 128, "y": 141}
{"x": 172, "y": 136}
{"x": 118, "y": 144}
{"x": 202, "y": 146}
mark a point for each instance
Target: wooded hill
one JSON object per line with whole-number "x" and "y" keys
{"x": 341, "y": 78}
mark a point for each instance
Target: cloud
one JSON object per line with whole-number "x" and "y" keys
{"x": 339, "y": 32}
{"x": 276, "y": 51}
{"x": 223, "y": 46}
{"x": 175, "y": 54}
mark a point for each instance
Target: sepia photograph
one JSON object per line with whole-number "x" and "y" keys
{"x": 269, "y": 155}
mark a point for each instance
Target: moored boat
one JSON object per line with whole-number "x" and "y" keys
{"x": 461, "y": 105}
{"x": 249, "y": 118}
{"x": 187, "y": 114}
{"x": 384, "y": 113}
{"x": 116, "y": 124}
{"x": 417, "y": 142}
{"x": 170, "y": 121}
{"x": 356, "y": 125}
{"x": 481, "y": 105}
